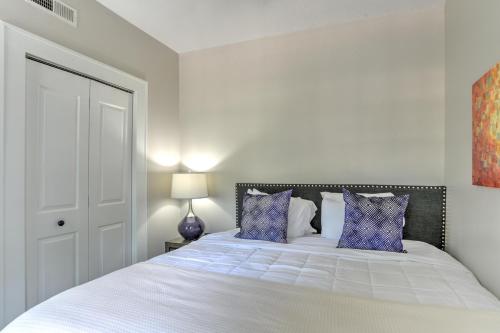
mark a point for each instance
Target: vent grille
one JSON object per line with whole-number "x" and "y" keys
{"x": 58, "y": 9}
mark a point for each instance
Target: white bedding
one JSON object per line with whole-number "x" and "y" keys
{"x": 150, "y": 298}
{"x": 424, "y": 275}
{"x": 267, "y": 287}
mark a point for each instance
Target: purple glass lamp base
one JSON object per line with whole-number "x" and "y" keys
{"x": 191, "y": 227}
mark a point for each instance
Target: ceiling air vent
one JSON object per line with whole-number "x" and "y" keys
{"x": 58, "y": 9}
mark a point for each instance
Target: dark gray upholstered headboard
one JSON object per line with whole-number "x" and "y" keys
{"x": 425, "y": 215}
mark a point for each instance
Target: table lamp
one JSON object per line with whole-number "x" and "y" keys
{"x": 190, "y": 186}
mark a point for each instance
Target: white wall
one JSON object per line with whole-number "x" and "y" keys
{"x": 106, "y": 37}
{"x": 472, "y": 48}
{"x": 355, "y": 103}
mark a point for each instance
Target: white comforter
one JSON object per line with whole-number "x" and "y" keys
{"x": 266, "y": 287}
{"x": 424, "y": 275}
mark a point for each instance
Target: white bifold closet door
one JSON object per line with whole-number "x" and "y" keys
{"x": 78, "y": 180}
{"x": 110, "y": 179}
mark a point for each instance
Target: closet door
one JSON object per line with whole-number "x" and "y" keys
{"x": 57, "y": 105}
{"x": 110, "y": 179}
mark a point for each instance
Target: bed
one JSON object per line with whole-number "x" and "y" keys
{"x": 224, "y": 284}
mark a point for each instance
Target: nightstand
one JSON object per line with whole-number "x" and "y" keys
{"x": 175, "y": 244}
{"x": 179, "y": 242}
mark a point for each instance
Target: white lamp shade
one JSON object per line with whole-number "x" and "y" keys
{"x": 189, "y": 185}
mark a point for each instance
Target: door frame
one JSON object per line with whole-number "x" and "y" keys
{"x": 15, "y": 45}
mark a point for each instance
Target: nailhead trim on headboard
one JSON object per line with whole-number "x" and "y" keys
{"x": 443, "y": 227}
{"x": 374, "y": 187}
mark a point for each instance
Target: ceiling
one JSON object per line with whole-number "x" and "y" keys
{"x": 187, "y": 25}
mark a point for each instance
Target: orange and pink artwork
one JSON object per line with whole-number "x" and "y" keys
{"x": 486, "y": 129}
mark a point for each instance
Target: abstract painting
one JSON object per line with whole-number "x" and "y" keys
{"x": 486, "y": 129}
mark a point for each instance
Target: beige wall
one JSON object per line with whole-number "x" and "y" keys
{"x": 123, "y": 46}
{"x": 472, "y": 48}
{"x": 355, "y": 103}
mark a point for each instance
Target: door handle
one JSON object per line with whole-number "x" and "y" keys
{"x": 60, "y": 223}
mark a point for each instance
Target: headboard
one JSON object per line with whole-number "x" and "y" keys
{"x": 425, "y": 215}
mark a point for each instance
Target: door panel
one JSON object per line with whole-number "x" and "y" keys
{"x": 112, "y": 240}
{"x": 58, "y": 258}
{"x": 57, "y": 106}
{"x": 113, "y": 151}
{"x": 58, "y": 176}
{"x": 110, "y": 179}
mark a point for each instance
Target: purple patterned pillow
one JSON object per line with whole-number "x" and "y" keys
{"x": 373, "y": 223}
{"x": 265, "y": 217}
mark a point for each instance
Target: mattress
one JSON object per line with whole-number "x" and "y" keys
{"x": 423, "y": 275}
{"x": 224, "y": 284}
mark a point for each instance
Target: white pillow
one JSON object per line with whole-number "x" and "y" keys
{"x": 300, "y": 214}
{"x": 340, "y": 196}
{"x": 333, "y": 212}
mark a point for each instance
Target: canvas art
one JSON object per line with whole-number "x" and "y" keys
{"x": 486, "y": 129}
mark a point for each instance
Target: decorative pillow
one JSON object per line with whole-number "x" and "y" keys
{"x": 265, "y": 217}
{"x": 373, "y": 223}
{"x": 300, "y": 214}
{"x": 333, "y": 212}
